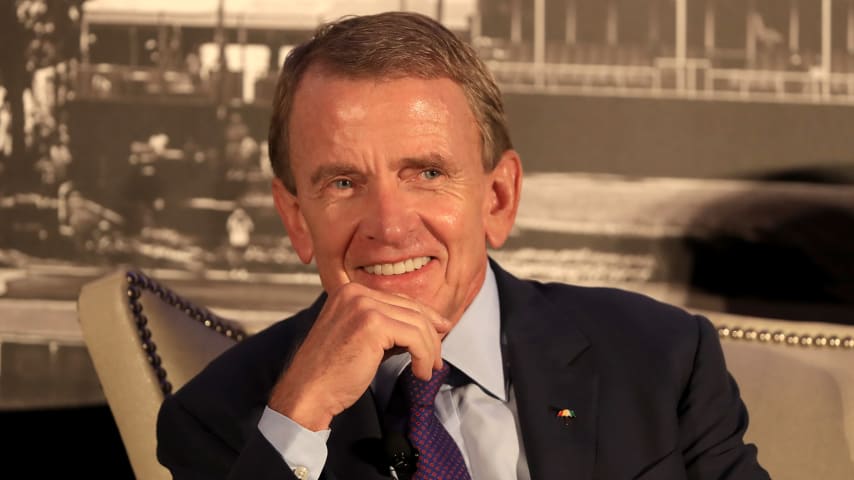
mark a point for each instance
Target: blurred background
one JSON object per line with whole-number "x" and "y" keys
{"x": 699, "y": 151}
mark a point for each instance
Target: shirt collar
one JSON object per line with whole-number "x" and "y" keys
{"x": 473, "y": 346}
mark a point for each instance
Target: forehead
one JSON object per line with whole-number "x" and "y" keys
{"x": 354, "y": 119}
{"x": 339, "y": 100}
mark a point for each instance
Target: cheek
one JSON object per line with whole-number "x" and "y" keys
{"x": 451, "y": 223}
{"x": 457, "y": 224}
{"x": 331, "y": 230}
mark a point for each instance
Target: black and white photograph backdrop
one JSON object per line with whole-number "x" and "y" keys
{"x": 698, "y": 151}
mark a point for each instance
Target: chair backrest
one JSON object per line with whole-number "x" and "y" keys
{"x": 145, "y": 342}
{"x": 797, "y": 379}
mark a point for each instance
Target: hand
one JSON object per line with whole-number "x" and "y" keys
{"x": 337, "y": 361}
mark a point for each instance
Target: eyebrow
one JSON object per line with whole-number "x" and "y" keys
{"x": 431, "y": 159}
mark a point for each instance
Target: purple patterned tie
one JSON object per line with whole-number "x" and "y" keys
{"x": 440, "y": 458}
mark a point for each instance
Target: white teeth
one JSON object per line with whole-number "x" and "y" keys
{"x": 406, "y": 266}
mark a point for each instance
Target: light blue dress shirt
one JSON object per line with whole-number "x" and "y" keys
{"x": 480, "y": 416}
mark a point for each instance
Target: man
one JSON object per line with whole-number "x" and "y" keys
{"x": 394, "y": 171}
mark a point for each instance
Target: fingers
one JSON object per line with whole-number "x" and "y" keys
{"x": 356, "y": 329}
{"x": 440, "y": 323}
{"x": 437, "y": 354}
{"x": 342, "y": 278}
{"x": 424, "y": 354}
{"x": 430, "y": 338}
{"x": 423, "y": 320}
{"x": 438, "y": 362}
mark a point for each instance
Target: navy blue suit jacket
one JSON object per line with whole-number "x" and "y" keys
{"x": 647, "y": 381}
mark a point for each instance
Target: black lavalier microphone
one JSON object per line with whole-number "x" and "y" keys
{"x": 402, "y": 457}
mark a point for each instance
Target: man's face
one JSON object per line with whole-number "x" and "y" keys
{"x": 392, "y": 192}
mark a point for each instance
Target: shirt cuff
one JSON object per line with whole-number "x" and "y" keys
{"x": 298, "y": 446}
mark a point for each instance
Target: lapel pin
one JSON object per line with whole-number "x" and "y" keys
{"x": 566, "y": 414}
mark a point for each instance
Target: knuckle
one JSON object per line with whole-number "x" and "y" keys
{"x": 361, "y": 302}
{"x": 368, "y": 320}
{"x": 348, "y": 290}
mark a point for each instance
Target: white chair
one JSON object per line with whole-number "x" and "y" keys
{"x": 145, "y": 342}
{"x": 797, "y": 379}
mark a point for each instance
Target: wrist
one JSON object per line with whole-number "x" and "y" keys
{"x": 301, "y": 407}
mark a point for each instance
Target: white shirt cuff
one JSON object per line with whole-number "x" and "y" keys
{"x": 298, "y": 446}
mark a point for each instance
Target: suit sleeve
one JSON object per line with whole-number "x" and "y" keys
{"x": 192, "y": 451}
{"x": 713, "y": 418}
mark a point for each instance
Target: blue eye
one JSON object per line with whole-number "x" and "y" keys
{"x": 343, "y": 183}
{"x": 431, "y": 173}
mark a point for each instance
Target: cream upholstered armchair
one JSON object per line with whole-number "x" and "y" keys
{"x": 145, "y": 342}
{"x": 796, "y": 378}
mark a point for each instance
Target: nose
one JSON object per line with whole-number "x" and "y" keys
{"x": 388, "y": 216}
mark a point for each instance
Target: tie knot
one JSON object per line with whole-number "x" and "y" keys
{"x": 420, "y": 393}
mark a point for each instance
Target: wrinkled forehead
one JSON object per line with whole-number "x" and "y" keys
{"x": 321, "y": 69}
{"x": 341, "y": 98}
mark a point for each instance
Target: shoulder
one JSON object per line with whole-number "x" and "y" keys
{"x": 605, "y": 298}
{"x": 600, "y": 307}
{"x": 635, "y": 339}
{"x": 241, "y": 378}
{"x": 621, "y": 324}
{"x": 613, "y": 310}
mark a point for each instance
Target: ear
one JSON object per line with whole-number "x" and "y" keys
{"x": 502, "y": 198}
{"x": 289, "y": 211}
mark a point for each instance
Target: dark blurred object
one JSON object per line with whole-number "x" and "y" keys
{"x": 769, "y": 253}
{"x": 72, "y": 443}
{"x": 827, "y": 175}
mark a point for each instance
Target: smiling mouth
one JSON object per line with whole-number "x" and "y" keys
{"x": 399, "y": 268}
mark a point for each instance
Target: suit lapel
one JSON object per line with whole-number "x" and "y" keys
{"x": 549, "y": 371}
